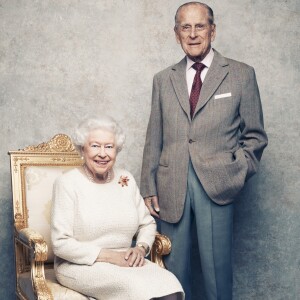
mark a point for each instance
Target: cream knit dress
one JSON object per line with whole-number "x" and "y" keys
{"x": 87, "y": 217}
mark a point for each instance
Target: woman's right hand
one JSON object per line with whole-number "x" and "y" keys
{"x": 113, "y": 257}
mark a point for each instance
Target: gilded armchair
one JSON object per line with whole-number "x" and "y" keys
{"x": 33, "y": 171}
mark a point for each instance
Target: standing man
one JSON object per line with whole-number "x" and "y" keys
{"x": 205, "y": 138}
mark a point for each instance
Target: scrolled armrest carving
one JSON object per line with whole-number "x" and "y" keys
{"x": 161, "y": 246}
{"x": 39, "y": 250}
{"x": 36, "y": 242}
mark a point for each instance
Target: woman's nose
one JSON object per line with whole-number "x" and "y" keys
{"x": 102, "y": 152}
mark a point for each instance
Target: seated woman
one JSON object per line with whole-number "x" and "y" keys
{"x": 96, "y": 211}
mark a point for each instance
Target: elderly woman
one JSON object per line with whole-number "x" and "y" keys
{"x": 97, "y": 209}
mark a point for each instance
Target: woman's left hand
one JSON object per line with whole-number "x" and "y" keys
{"x": 135, "y": 256}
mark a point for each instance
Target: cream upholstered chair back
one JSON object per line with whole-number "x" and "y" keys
{"x": 33, "y": 172}
{"x": 38, "y": 192}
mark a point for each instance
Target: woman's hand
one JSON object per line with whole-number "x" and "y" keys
{"x": 113, "y": 257}
{"x": 135, "y": 256}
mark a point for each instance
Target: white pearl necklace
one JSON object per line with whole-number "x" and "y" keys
{"x": 91, "y": 178}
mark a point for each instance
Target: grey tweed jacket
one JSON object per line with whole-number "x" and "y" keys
{"x": 224, "y": 140}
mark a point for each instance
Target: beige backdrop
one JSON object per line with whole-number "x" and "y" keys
{"x": 63, "y": 60}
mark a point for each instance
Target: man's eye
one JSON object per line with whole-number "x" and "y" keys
{"x": 200, "y": 27}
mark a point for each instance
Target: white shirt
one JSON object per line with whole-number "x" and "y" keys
{"x": 190, "y": 72}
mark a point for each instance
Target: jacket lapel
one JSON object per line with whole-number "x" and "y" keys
{"x": 215, "y": 75}
{"x": 178, "y": 79}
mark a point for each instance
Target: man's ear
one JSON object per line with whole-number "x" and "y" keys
{"x": 213, "y": 32}
{"x": 176, "y": 35}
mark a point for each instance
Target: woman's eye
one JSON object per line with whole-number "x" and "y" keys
{"x": 109, "y": 146}
{"x": 94, "y": 146}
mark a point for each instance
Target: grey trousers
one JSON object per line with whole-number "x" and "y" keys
{"x": 214, "y": 233}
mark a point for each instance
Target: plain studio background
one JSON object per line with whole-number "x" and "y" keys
{"x": 63, "y": 60}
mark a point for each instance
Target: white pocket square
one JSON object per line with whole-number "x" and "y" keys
{"x": 223, "y": 96}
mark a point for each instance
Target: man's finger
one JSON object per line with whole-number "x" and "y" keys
{"x": 155, "y": 204}
{"x": 152, "y": 205}
{"x": 148, "y": 202}
{"x": 153, "y": 212}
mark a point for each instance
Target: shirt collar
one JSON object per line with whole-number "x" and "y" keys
{"x": 206, "y": 61}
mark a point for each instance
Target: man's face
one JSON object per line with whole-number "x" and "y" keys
{"x": 194, "y": 32}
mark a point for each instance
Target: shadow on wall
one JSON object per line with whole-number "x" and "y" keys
{"x": 265, "y": 237}
{"x": 7, "y": 265}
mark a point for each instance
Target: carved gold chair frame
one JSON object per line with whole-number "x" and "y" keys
{"x": 31, "y": 247}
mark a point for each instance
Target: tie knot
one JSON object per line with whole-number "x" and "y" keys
{"x": 198, "y": 66}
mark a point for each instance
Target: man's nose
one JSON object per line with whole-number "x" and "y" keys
{"x": 193, "y": 32}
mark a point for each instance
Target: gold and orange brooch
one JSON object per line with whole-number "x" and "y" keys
{"x": 123, "y": 180}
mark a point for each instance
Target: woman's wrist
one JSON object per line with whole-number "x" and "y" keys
{"x": 144, "y": 247}
{"x": 104, "y": 255}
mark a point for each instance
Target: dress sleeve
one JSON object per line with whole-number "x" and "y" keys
{"x": 64, "y": 244}
{"x": 147, "y": 226}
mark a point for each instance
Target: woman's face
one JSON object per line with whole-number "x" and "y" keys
{"x": 100, "y": 152}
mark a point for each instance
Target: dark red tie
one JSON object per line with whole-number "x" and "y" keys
{"x": 196, "y": 87}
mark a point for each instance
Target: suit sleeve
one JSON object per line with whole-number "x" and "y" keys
{"x": 253, "y": 138}
{"x": 153, "y": 145}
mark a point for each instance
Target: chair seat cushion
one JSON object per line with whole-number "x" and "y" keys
{"x": 58, "y": 291}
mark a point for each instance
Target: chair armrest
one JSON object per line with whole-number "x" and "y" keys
{"x": 34, "y": 241}
{"x": 38, "y": 251}
{"x": 161, "y": 246}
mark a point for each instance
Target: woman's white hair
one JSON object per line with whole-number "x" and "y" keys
{"x": 104, "y": 122}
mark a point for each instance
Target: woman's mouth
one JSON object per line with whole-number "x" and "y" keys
{"x": 101, "y": 162}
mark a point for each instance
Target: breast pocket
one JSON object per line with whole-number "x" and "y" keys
{"x": 222, "y": 96}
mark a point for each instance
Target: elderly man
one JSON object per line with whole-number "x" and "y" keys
{"x": 205, "y": 138}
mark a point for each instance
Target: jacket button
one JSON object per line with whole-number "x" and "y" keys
{"x": 191, "y": 141}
